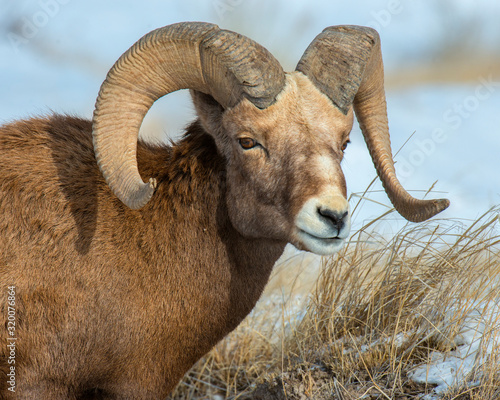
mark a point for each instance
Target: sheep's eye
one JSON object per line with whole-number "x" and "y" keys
{"x": 344, "y": 146}
{"x": 247, "y": 143}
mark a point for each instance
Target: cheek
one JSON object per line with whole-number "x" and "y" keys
{"x": 257, "y": 178}
{"x": 242, "y": 170}
{"x": 255, "y": 200}
{"x": 254, "y": 217}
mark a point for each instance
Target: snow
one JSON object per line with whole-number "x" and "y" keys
{"x": 477, "y": 338}
{"x": 475, "y": 341}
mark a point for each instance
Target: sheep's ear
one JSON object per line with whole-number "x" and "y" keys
{"x": 209, "y": 111}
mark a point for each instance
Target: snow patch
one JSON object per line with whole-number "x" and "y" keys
{"x": 476, "y": 340}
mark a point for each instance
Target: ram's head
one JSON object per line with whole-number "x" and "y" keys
{"x": 282, "y": 135}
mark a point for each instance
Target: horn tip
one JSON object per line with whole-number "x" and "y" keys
{"x": 440, "y": 205}
{"x": 141, "y": 196}
{"x": 429, "y": 209}
{"x": 153, "y": 183}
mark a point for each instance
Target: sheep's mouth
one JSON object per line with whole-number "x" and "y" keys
{"x": 317, "y": 244}
{"x": 314, "y": 237}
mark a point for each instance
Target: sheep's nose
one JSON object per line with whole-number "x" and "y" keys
{"x": 335, "y": 217}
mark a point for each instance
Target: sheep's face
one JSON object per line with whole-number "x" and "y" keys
{"x": 283, "y": 167}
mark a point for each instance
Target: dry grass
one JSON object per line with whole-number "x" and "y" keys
{"x": 379, "y": 308}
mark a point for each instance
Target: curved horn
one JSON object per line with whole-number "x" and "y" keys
{"x": 345, "y": 63}
{"x": 191, "y": 55}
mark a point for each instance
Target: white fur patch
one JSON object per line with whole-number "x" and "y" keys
{"x": 318, "y": 233}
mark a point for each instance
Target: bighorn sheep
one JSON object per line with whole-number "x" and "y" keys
{"x": 118, "y": 286}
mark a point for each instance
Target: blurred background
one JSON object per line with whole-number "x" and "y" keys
{"x": 442, "y": 64}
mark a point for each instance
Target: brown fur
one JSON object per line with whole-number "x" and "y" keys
{"x": 117, "y": 322}
{"x": 120, "y": 303}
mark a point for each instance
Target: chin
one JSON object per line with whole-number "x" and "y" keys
{"x": 320, "y": 246}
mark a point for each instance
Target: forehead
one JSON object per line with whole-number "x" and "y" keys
{"x": 300, "y": 107}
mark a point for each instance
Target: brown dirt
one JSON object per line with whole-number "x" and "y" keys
{"x": 318, "y": 384}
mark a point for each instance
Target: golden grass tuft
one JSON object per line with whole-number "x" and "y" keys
{"x": 378, "y": 309}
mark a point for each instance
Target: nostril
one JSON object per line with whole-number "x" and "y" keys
{"x": 336, "y": 217}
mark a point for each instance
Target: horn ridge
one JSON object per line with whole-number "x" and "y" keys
{"x": 188, "y": 55}
{"x": 335, "y": 62}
